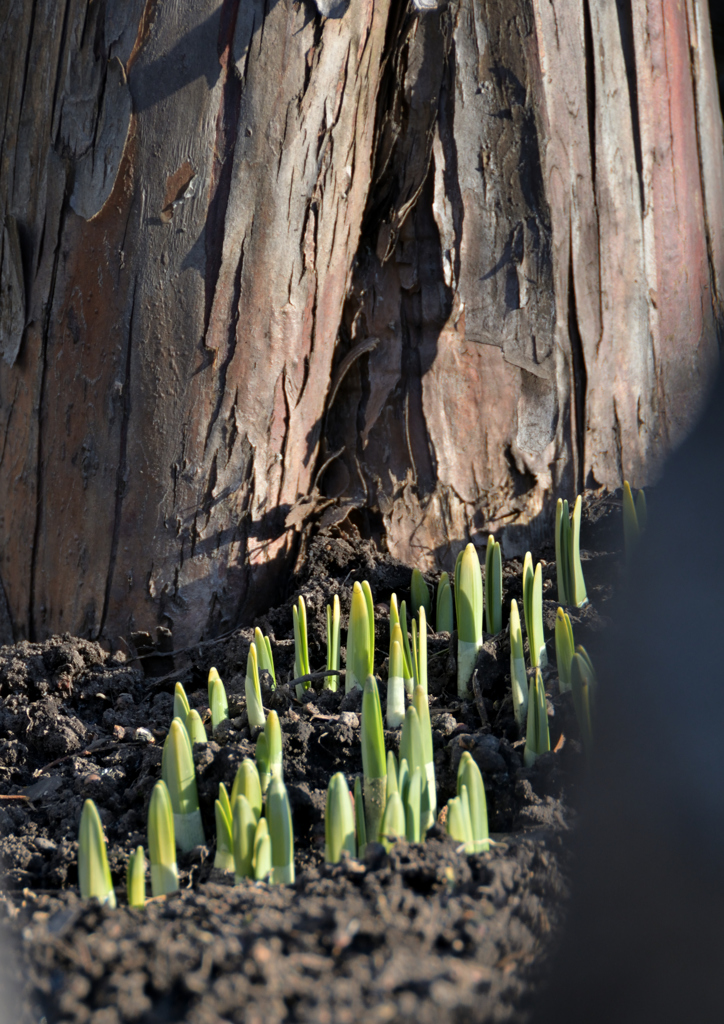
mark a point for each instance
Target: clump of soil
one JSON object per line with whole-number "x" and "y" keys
{"x": 420, "y": 932}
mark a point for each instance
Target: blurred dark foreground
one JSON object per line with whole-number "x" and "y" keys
{"x": 645, "y": 940}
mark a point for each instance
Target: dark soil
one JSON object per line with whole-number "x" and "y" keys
{"x": 422, "y": 932}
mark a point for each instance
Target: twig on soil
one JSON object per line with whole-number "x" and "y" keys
{"x": 316, "y": 675}
{"x": 14, "y": 796}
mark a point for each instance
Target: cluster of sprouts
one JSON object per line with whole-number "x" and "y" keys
{"x": 396, "y": 797}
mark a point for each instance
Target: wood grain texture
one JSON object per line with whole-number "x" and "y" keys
{"x": 502, "y": 222}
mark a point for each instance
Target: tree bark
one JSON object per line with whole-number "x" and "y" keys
{"x": 266, "y": 262}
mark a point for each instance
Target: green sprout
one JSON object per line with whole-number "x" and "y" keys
{"x": 273, "y": 733}
{"x": 533, "y": 611}
{"x": 136, "y": 878}
{"x": 444, "y": 606}
{"x": 583, "y": 679}
{"x": 402, "y": 779}
{"x": 181, "y": 707}
{"x": 469, "y": 777}
{"x": 635, "y": 517}
{"x": 243, "y": 829}
{"x": 518, "y": 676}
{"x": 411, "y": 792}
{"x": 537, "y": 739}
{"x": 412, "y": 751}
{"x": 399, "y": 618}
{"x": 262, "y": 862}
{"x": 580, "y": 649}
{"x": 396, "y": 684}
{"x": 374, "y": 761}
{"x": 333, "y": 639}
{"x": 224, "y": 859}
{"x": 162, "y": 842}
{"x": 264, "y": 655}
{"x": 359, "y": 817}
{"x": 565, "y": 647}
{"x": 338, "y": 821}
{"x": 459, "y": 826}
{"x": 218, "y": 703}
{"x": 177, "y": 771}
{"x": 213, "y": 678}
{"x": 393, "y": 825}
{"x": 419, "y": 651}
{"x": 493, "y": 587}
{"x": 94, "y": 875}
{"x": 360, "y": 637}
{"x": 469, "y": 611}
{"x": 419, "y": 594}
{"x": 392, "y": 780}
{"x": 262, "y": 761}
{"x": 279, "y": 817}
{"x": 301, "y": 645}
{"x": 252, "y": 688}
{"x": 419, "y": 701}
{"x": 195, "y": 727}
{"x": 571, "y": 586}
{"x": 248, "y": 784}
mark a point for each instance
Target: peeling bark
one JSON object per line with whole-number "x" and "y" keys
{"x": 267, "y": 258}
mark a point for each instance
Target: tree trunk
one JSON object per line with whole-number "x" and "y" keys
{"x": 264, "y": 262}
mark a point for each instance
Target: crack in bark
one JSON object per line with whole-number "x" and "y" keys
{"x": 231, "y": 351}
{"x": 122, "y": 471}
{"x": 227, "y": 125}
{"x": 32, "y": 627}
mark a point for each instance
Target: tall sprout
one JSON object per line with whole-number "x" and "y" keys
{"x": 264, "y": 655}
{"x": 396, "y": 685}
{"x": 374, "y": 761}
{"x": 301, "y": 645}
{"x": 533, "y": 610}
{"x": 252, "y": 688}
{"x": 179, "y": 774}
{"x": 162, "y": 842}
{"x": 218, "y": 702}
{"x": 333, "y": 638}
{"x": 419, "y": 651}
{"x": 224, "y": 858}
{"x": 338, "y": 821}
{"x": 469, "y": 777}
{"x": 537, "y": 740}
{"x": 94, "y": 875}
{"x": 444, "y": 606}
{"x": 393, "y": 821}
{"x": 571, "y": 585}
{"x": 469, "y": 609}
{"x": 419, "y": 701}
{"x": 136, "y": 878}
{"x": 398, "y": 618}
{"x": 419, "y": 594}
{"x": 565, "y": 647}
{"x": 582, "y": 681}
{"x": 247, "y": 783}
{"x": 493, "y": 587}
{"x": 360, "y": 638}
{"x": 279, "y": 817}
{"x": 518, "y": 675}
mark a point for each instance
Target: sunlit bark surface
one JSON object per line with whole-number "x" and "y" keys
{"x": 266, "y": 264}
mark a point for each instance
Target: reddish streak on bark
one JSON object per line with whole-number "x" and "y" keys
{"x": 82, "y": 416}
{"x": 668, "y": 126}
{"x": 227, "y": 122}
